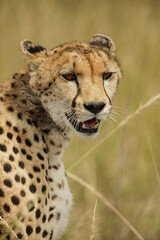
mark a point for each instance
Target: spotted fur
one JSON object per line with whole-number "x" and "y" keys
{"x": 39, "y": 108}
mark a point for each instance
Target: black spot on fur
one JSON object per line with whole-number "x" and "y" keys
{"x": 30, "y": 175}
{"x": 51, "y": 235}
{"x": 8, "y": 183}
{"x": 43, "y": 139}
{"x": 42, "y": 166}
{"x": 17, "y": 178}
{"x": 44, "y": 189}
{"x": 45, "y": 233}
{"x": 32, "y": 188}
{"x": 15, "y": 150}
{"x": 6, "y": 207}
{"x": 15, "y": 200}
{"x": 9, "y": 135}
{"x": 36, "y": 169}
{"x": 29, "y": 230}
{"x": 1, "y": 130}
{"x": 39, "y": 155}
{"x": 10, "y": 109}
{"x": 36, "y": 138}
{"x": 15, "y": 129}
{"x": 19, "y": 235}
{"x": 7, "y": 167}
{"x": 11, "y": 158}
{"x": 14, "y": 96}
{"x": 55, "y": 167}
{"x": 15, "y": 75}
{"x": 18, "y": 139}
{"x": 50, "y": 179}
{"x": 21, "y": 164}
{"x": 29, "y": 121}
{"x": 1, "y": 193}
{"x": 54, "y": 196}
{"x": 23, "y": 151}
{"x": 3, "y": 148}
{"x": 51, "y": 208}
{"x": 8, "y": 124}
{"x": 44, "y": 218}
{"x": 38, "y": 229}
{"x": 38, "y": 213}
{"x": 45, "y": 150}
{"x": 46, "y": 131}
{"x": 23, "y": 194}
{"x": 51, "y": 142}
{"x": 31, "y": 112}
{"x": 23, "y": 180}
{"x": 35, "y": 123}
{"x": 50, "y": 217}
{"x": 28, "y": 142}
{"x": 24, "y": 131}
{"x": 29, "y": 157}
{"x": 23, "y": 101}
{"x": 19, "y": 115}
{"x": 13, "y": 84}
{"x": 49, "y": 84}
{"x": 38, "y": 180}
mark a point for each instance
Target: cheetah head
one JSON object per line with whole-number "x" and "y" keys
{"x": 75, "y": 81}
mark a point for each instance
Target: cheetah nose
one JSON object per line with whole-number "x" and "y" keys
{"x": 94, "y": 107}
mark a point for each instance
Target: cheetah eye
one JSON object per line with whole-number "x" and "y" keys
{"x": 107, "y": 75}
{"x": 70, "y": 76}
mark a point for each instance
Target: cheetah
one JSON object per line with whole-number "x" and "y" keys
{"x": 69, "y": 88}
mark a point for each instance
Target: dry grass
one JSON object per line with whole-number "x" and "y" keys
{"x": 107, "y": 204}
{"x": 123, "y": 162}
{"x": 155, "y": 165}
{"x": 93, "y": 225}
{"x": 8, "y": 229}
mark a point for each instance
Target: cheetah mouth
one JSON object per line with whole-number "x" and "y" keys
{"x": 90, "y": 126}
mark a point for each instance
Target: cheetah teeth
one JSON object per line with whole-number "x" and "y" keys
{"x": 95, "y": 126}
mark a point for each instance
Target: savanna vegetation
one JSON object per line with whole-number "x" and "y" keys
{"x": 122, "y": 163}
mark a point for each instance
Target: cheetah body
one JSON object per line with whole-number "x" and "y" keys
{"x": 25, "y": 187}
{"x": 35, "y": 199}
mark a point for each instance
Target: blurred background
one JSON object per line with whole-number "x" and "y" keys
{"x": 122, "y": 167}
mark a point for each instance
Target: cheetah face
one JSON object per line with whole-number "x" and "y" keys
{"x": 75, "y": 81}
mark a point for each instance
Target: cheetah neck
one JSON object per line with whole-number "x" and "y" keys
{"x": 28, "y": 104}
{"x": 57, "y": 144}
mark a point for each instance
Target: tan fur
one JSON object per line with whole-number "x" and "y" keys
{"x": 34, "y": 131}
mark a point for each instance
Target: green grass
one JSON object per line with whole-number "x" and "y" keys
{"x": 122, "y": 167}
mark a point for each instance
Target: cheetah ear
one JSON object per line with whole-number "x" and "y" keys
{"x": 104, "y": 42}
{"x": 31, "y": 50}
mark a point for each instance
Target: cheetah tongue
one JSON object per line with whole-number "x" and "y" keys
{"x": 92, "y": 123}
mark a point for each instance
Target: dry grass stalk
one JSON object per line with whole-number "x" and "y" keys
{"x": 93, "y": 226}
{"x": 153, "y": 157}
{"x": 10, "y": 230}
{"x": 106, "y": 203}
{"x": 121, "y": 124}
